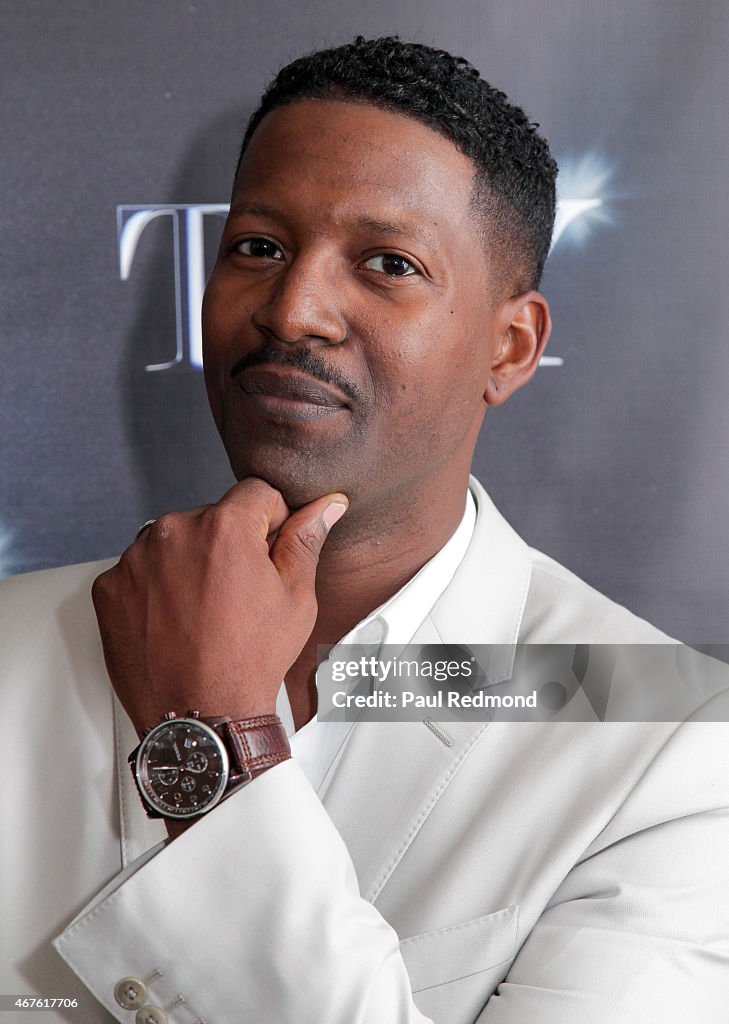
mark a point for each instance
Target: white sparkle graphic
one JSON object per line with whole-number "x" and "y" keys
{"x": 581, "y": 197}
{"x": 581, "y": 204}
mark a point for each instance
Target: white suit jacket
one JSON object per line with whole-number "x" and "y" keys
{"x": 504, "y": 872}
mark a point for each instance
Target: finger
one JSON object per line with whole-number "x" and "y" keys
{"x": 258, "y": 496}
{"x": 100, "y": 587}
{"x": 159, "y": 526}
{"x": 296, "y": 550}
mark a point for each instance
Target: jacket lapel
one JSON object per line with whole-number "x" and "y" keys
{"x": 484, "y": 602}
{"x": 391, "y": 774}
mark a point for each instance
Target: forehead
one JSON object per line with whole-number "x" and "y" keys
{"x": 355, "y": 161}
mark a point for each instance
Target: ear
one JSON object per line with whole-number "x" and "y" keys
{"x": 524, "y": 325}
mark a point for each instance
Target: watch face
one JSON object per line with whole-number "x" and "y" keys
{"x": 182, "y": 768}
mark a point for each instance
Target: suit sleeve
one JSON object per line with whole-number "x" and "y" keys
{"x": 254, "y": 913}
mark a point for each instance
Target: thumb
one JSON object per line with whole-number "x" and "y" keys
{"x": 295, "y": 552}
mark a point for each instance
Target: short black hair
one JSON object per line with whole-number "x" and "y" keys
{"x": 514, "y": 185}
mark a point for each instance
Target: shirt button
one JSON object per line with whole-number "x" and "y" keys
{"x": 150, "y": 1015}
{"x": 131, "y": 993}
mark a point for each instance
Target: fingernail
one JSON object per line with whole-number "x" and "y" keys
{"x": 333, "y": 512}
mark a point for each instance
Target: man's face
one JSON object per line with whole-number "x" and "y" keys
{"x": 348, "y": 323}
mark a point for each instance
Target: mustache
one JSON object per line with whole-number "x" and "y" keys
{"x": 302, "y": 359}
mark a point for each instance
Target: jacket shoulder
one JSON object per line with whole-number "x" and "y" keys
{"x": 48, "y": 587}
{"x": 47, "y": 622}
{"x": 562, "y": 608}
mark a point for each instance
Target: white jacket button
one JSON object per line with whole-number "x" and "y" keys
{"x": 131, "y": 993}
{"x": 151, "y": 1015}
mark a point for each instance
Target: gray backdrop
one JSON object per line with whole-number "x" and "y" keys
{"x": 614, "y": 461}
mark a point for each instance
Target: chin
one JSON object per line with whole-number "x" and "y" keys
{"x": 298, "y": 481}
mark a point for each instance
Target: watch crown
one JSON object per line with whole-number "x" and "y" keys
{"x": 169, "y": 715}
{"x": 193, "y": 714}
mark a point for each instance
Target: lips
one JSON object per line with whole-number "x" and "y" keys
{"x": 283, "y": 393}
{"x": 290, "y": 384}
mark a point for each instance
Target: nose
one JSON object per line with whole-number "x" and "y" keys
{"x": 304, "y": 303}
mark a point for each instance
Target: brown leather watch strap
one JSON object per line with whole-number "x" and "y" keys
{"x": 258, "y": 743}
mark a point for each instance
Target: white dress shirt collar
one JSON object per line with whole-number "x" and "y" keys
{"x": 317, "y": 745}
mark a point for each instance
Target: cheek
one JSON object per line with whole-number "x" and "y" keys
{"x": 225, "y": 317}
{"x": 220, "y": 319}
{"x": 218, "y": 312}
{"x": 427, "y": 410}
{"x": 438, "y": 367}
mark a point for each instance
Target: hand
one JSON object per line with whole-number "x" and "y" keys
{"x": 209, "y": 609}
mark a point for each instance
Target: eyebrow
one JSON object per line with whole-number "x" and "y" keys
{"x": 365, "y": 223}
{"x": 256, "y": 209}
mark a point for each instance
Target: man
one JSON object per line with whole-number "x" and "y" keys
{"x": 374, "y": 294}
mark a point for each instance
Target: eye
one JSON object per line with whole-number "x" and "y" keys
{"x": 391, "y": 264}
{"x": 259, "y": 248}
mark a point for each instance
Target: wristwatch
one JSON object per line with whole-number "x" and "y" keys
{"x": 183, "y": 767}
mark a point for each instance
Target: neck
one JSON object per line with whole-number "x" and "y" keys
{"x": 366, "y": 560}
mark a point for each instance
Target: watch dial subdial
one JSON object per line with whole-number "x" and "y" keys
{"x": 196, "y": 762}
{"x": 165, "y": 776}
